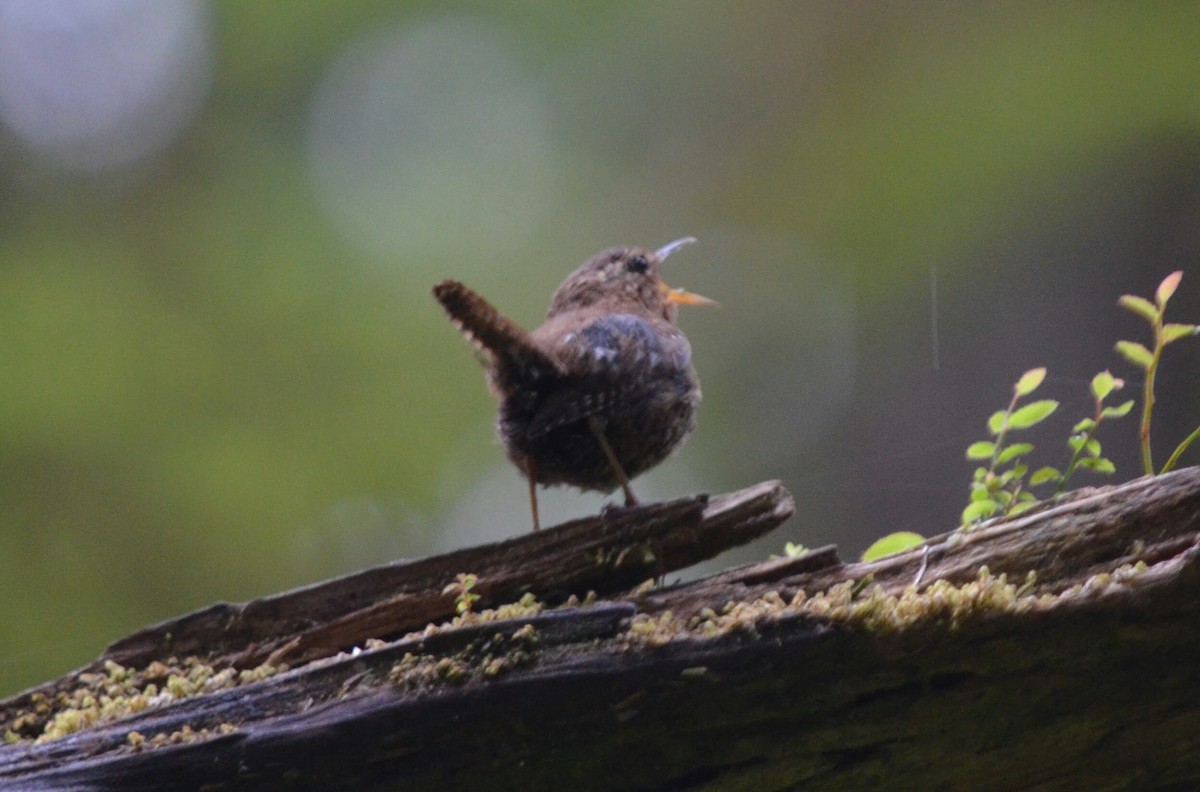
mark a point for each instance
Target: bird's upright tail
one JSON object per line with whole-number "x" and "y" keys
{"x": 502, "y": 339}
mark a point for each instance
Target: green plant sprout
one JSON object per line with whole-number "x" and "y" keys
{"x": 994, "y": 488}
{"x": 463, "y": 589}
{"x": 1147, "y": 360}
{"x": 794, "y": 550}
{"x": 1085, "y": 448}
{"x": 790, "y": 550}
{"x": 1000, "y": 487}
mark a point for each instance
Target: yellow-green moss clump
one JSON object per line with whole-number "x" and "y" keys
{"x": 187, "y": 734}
{"x": 525, "y": 607}
{"x": 872, "y": 608}
{"x": 118, "y": 691}
{"x": 483, "y": 659}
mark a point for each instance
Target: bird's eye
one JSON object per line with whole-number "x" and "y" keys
{"x": 637, "y": 264}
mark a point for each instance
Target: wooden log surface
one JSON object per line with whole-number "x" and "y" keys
{"x": 1057, "y": 650}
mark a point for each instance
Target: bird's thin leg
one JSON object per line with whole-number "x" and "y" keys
{"x": 598, "y": 431}
{"x": 531, "y": 474}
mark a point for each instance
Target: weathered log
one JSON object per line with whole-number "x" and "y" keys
{"x": 1057, "y": 650}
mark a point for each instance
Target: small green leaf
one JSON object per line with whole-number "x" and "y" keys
{"x": 1003, "y": 498}
{"x": 1174, "y": 331}
{"x": 1013, "y": 451}
{"x": 1042, "y": 475}
{"x": 1024, "y": 506}
{"x": 1032, "y": 413}
{"x": 1083, "y": 426}
{"x": 1118, "y": 411}
{"x": 980, "y": 474}
{"x": 793, "y": 550}
{"x": 981, "y": 450}
{"x": 979, "y": 510}
{"x": 1092, "y": 447}
{"x": 1167, "y": 288}
{"x": 1103, "y": 384}
{"x": 1019, "y": 471}
{"x": 980, "y": 492}
{"x": 1029, "y": 381}
{"x": 1135, "y": 353}
{"x": 893, "y": 543}
{"x": 1140, "y": 306}
{"x": 1098, "y": 465}
{"x": 1075, "y": 442}
{"x": 997, "y": 422}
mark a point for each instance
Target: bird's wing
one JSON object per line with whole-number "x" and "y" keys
{"x": 611, "y": 360}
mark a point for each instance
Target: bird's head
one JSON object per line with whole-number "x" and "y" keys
{"x": 625, "y": 279}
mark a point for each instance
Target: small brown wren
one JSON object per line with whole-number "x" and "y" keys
{"x": 601, "y": 392}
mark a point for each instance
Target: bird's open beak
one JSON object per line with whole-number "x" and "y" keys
{"x": 671, "y": 247}
{"x": 679, "y": 296}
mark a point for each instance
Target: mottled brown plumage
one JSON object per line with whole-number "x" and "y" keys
{"x": 601, "y": 392}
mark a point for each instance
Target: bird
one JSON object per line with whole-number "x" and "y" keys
{"x": 605, "y": 388}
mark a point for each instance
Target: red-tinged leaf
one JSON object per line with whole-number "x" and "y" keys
{"x": 1103, "y": 384}
{"x": 1029, "y": 381}
{"x": 1167, "y": 288}
{"x": 1135, "y": 353}
{"x": 1140, "y": 306}
{"x": 1174, "y": 331}
{"x": 1032, "y": 413}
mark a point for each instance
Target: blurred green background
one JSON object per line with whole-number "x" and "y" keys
{"x": 222, "y": 374}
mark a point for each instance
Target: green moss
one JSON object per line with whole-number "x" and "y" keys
{"x": 118, "y": 692}
{"x": 868, "y": 606}
{"x": 485, "y": 658}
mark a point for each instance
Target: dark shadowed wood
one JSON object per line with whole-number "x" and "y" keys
{"x": 611, "y": 552}
{"x": 1092, "y": 681}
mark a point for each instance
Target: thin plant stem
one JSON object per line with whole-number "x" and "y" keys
{"x": 1187, "y": 441}
{"x": 1074, "y": 463}
{"x": 1148, "y": 397}
{"x": 999, "y": 441}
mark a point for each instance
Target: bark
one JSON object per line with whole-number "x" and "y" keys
{"x": 1070, "y": 662}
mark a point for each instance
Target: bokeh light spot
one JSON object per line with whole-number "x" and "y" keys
{"x": 95, "y": 85}
{"x": 431, "y": 140}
